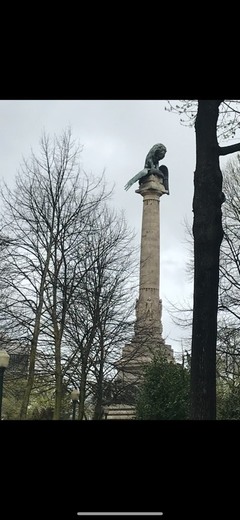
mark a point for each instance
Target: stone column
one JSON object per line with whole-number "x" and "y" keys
{"x": 148, "y": 305}
{"x": 147, "y": 339}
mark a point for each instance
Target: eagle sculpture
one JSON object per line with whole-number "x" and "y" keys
{"x": 154, "y": 155}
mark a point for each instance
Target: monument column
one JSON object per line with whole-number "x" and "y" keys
{"x": 147, "y": 340}
{"x": 148, "y": 305}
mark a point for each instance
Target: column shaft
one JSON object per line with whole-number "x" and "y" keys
{"x": 148, "y": 306}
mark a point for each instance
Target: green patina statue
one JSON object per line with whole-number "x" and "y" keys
{"x": 151, "y": 167}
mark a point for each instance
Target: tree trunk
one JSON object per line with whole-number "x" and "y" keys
{"x": 58, "y": 331}
{"x": 98, "y": 411}
{"x": 208, "y": 234}
{"x": 34, "y": 342}
{"x": 82, "y": 393}
{"x": 58, "y": 375}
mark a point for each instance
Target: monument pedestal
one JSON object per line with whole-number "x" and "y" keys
{"x": 120, "y": 411}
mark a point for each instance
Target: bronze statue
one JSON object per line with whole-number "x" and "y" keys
{"x": 151, "y": 167}
{"x": 154, "y": 155}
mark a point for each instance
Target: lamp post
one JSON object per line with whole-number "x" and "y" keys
{"x": 4, "y": 360}
{"x": 74, "y": 396}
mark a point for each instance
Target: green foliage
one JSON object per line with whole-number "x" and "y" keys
{"x": 228, "y": 403}
{"x": 164, "y": 394}
{"x": 13, "y": 390}
{"x": 42, "y": 414}
{"x": 41, "y": 404}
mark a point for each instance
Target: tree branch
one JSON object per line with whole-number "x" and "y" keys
{"x": 225, "y": 150}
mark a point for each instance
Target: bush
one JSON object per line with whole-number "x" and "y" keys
{"x": 165, "y": 392}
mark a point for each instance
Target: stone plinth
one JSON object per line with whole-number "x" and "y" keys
{"x": 136, "y": 357}
{"x": 120, "y": 411}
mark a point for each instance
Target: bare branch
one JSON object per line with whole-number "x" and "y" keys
{"x": 225, "y": 150}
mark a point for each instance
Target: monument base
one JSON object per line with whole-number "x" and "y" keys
{"x": 136, "y": 356}
{"x": 120, "y": 411}
{"x": 131, "y": 367}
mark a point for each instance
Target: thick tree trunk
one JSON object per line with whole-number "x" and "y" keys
{"x": 208, "y": 234}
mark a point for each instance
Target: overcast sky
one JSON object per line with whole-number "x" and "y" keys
{"x": 116, "y": 136}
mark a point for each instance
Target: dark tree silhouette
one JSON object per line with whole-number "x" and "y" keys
{"x": 208, "y": 234}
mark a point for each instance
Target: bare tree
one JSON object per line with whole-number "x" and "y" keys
{"x": 66, "y": 277}
{"x": 101, "y": 320}
{"x": 45, "y": 217}
{"x": 228, "y": 347}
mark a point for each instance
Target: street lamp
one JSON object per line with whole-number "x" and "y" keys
{"x": 4, "y": 360}
{"x": 74, "y": 396}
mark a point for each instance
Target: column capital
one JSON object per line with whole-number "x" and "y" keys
{"x": 152, "y": 187}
